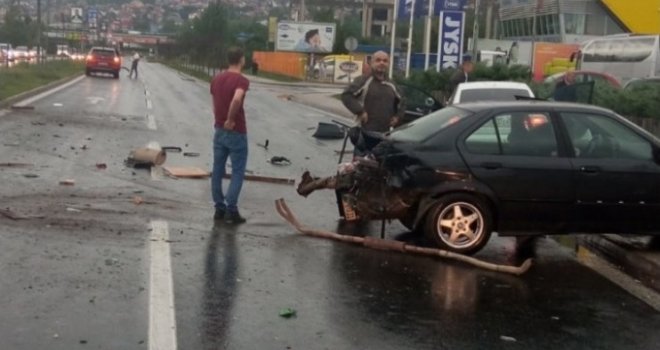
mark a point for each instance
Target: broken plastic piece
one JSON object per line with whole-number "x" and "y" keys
{"x": 287, "y": 312}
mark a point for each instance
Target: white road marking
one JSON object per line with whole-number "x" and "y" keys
{"x": 149, "y": 105}
{"x": 94, "y": 99}
{"x": 156, "y": 171}
{"x": 162, "y": 318}
{"x": 638, "y": 290}
{"x": 58, "y": 104}
{"x": 35, "y": 98}
{"x": 147, "y": 93}
{"x": 151, "y": 122}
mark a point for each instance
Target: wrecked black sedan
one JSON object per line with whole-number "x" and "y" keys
{"x": 516, "y": 168}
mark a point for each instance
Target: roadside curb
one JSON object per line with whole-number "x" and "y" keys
{"x": 640, "y": 263}
{"x": 27, "y": 94}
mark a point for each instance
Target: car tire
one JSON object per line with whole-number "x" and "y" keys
{"x": 460, "y": 223}
{"x": 116, "y": 75}
{"x": 88, "y": 72}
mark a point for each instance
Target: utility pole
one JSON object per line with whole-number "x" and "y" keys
{"x": 475, "y": 30}
{"x": 38, "y": 31}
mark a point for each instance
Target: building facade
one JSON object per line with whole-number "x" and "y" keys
{"x": 568, "y": 21}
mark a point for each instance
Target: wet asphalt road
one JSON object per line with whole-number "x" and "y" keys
{"x": 79, "y": 276}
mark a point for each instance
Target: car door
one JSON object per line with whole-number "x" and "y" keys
{"x": 518, "y": 156}
{"x": 418, "y": 103}
{"x": 617, "y": 178}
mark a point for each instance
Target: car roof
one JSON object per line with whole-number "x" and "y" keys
{"x": 522, "y": 104}
{"x": 492, "y": 85}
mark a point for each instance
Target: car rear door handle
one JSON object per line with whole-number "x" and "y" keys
{"x": 590, "y": 169}
{"x": 491, "y": 165}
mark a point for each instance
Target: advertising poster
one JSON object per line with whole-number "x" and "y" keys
{"x": 551, "y": 58}
{"x": 422, "y": 7}
{"x": 272, "y": 29}
{"x": 347, "y": 70}
{"x": 450, "y": 39}
{"x": 305, "y": 37}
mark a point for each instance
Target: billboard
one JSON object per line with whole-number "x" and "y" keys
{"x": 305, "y": 37}
{"x": 450, "y": 39}
{"x": 347, "y": 70}
{"x": 551, "y": 58}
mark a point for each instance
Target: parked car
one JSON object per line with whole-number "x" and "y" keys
{"x": 6, "y": 52}
{"x": 583, "y": 76}
{"x": 642, "y": 83}
{"x": 489, "y": 91}
{"x": 21, "y": 53}
{"x": 515, "y": 168}
{"x": 103, "y": 60}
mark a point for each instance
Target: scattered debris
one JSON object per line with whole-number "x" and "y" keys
{"x": 507, "y": 338}
{"x": 386, "y": 244}
{"x": 186, "y": 172}
{"x": 31, "y": 176}
{"x": 190, "y": 154}
{"x": 268, "y": 179}
{"x": 57, "y": 136}
{"x": 68, "y": 182}
{"x": 137, "y": 200}
{"x": 555, "y": 318}
{"x": 57, "y": 105}
{"x": 73, "y": 210}
{"x": 101, "y": 166}
{"x": 38, "y": 123}
{"x": 56, "y": 335}
{"x": 328, "y": 131}
{"x": 171, "y": 149}
{"x": 287, "y": 312}
{"x": 84, "y": 147}
{"x": 264, "y": 145}
{"x": 12, "y": 144}
{"x": 15, "y": 216}
{"x": 285, "y": 97}
{"x": 61, "y": 125}
{"x": 278, "y": 160}
{"x": 145, "y": 157}
{"x": 15, "y": 165}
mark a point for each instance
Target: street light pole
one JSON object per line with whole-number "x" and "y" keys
{"x": 38, "y": 31}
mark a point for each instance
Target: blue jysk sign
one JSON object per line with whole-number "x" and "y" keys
{"x": 422, "y": 7}
{"x": 450, "y": 39}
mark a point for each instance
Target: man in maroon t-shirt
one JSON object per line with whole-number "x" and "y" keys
{"x": 230, "y": 141}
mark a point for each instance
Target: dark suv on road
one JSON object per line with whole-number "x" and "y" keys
{"x": 103, "y": 60}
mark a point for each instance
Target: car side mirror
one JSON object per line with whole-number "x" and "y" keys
{"x": 429, "y": 102}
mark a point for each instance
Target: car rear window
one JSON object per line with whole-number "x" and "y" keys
{"x": 104, "y": 53}
{"x": 476, "y": 95}
{"x": 427, "y": 126}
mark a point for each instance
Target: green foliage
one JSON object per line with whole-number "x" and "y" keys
{"x": 642, "y": 102}
{"x": 24, "y": 77}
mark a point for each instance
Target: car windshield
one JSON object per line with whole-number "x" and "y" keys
{"x": 427, "y": 126}
{"x": 490, "y": 94}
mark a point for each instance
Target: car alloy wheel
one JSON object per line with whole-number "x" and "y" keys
{"x": 460, "y": 223}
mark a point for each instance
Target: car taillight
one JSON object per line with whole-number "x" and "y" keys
{"x": 116, "y": 59}
{"x": 90, "y": 57}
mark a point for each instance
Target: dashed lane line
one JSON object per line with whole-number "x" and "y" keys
{"x": 151, "y": 122}
{"x": 162, "y": 318}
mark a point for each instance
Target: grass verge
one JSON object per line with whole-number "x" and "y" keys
{"x": 25, "y": 77}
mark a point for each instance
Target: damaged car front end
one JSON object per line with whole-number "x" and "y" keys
{"x": 402, "y": 175}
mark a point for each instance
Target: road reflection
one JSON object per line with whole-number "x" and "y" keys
{"x": 398, "y": 292}
{"x": 220, "y": 271}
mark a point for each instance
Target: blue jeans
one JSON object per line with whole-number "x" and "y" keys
{"x": 233, "y": 145}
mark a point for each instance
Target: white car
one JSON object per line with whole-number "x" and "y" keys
{"x": 489, "y": 91}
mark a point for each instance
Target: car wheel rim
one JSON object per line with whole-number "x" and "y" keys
{"x": 460, "y": 225}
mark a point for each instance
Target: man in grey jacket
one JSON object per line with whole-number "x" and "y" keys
{"x": 374, "y": 98}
